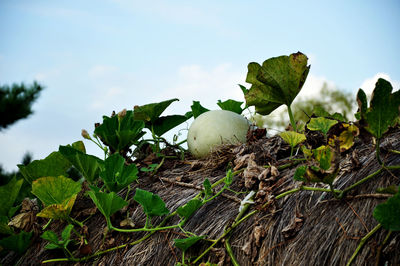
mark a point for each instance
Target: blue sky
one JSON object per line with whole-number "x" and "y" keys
{"x": 98, "y": 56}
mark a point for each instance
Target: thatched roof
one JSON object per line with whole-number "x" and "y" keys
{"x": 305, "y": 228}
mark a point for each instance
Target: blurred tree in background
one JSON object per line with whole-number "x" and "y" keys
{"x": 16, "y": 102}
{"x": 330, "y": 99}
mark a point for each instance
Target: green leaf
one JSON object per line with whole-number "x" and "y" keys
{"x": 150, "y": 112}
{"x": 321, "y": 124}
{"x": 362, "y": 103}
{"x": 197, "y": 109}
{"x": 292, "y": 138}
{"x": 58, "y": 194}
{"x": 58, "y": 210}
{"x": 166, "y": 123}
{"x": 66, "y": 233}
{"x": 300, "y": 173}
{"x": 189, "y": 208}
{"x": 388, "y": 213}
{"x": 231, "y": 105}
{"x": 384, "y": 109}
{"x": 116, "y": 175}
{"x": 18, "y": 242}
{"x": 53, "y": 165}
{"x": 88, "y": 165}
{"x": 276, "y": 82}
{"x": 120, "y": 134}
{"x": 8, "y": 194}
{"x": 184, "y": 244}
{"x": 4, "y": 228}
{"x": 319, "y": 111}
{"x": 79, "y": 145}
{"x": 228, "y": 178}
{"x": 50, "y": 236}
{"x": 207, "y": 188}
{"x": 323, "y": 155}
{"x": 107, "y": 203}
{"x": 53, "y": 246}
{"x": 152, "y": 204}
{"x": 55, "y": 190}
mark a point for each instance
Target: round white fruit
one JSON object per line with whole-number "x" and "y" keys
{"x": 213, "y": 128}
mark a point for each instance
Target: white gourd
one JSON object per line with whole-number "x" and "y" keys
{"x": 213, "y": 128}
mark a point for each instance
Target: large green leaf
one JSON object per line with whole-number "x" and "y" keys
{"x": 88, "y": 165}
{"x": 276, "y": 82}
{"x": 150, "y": 112}
{"x": 55, "y": 190}
{"x": 166, "y": 123}
{"x": 58, "y": 210}
{"x": 388, "y": 213}
{"x": 8, "y": 194}
{"x": 107, "y": 203}
{"x": 231, "y": 105}
{"x": 18, "y": 243}
{"x": 120, "y": 133}
{"x": 53, "y": 165}
{"x": 384, "y": 108}
{"x": 152, "y": 204}
{"x": 116, "y": 175}
{"x": 198, "y": 109}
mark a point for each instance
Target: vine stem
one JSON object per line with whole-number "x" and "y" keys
{"x": 99, "y": 253}
{"x": 291, "y": 117}
{"x": 361, "y": 181}
{"x": 362, "y": 242}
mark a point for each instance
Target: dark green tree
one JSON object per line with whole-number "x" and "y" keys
{"x": 16, "y": 102}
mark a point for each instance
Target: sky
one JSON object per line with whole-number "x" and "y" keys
{"x": 94, "y": 57}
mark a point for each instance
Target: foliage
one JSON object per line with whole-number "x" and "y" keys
{"x": 321, "y": 123}
{"x": 55, "y": 243}
{"x": 54, "y": 164}
{"x": 151, "y": 203}
{"x": 9, "y": 193}
{"x": 150, "y": 114}
{"x": 189, "y": 208}
{"x": 16, "y": 102}
{"x": 198, "y": 109}
{"x": 276, "y": 82}
{"x": 89, "y": 165}
{"x": 388, "y": 213}
{"x": 116, "y": 175}
{"x": 17, "y": 242}
{"x": 184, "y": 244}
{"x": 328, "y": 102}
{"x": 384, "y": 108}
{"x": 107, "y": 203}
{"x": 231, "y": 105}
{"x": 120, "y": 132}
{"x": 58, "y": 194}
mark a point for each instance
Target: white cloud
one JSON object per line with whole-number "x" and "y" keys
{"x": 368, "y": 85}
{"x": 196, "y": 83}
{"x": 313, "y": 86}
